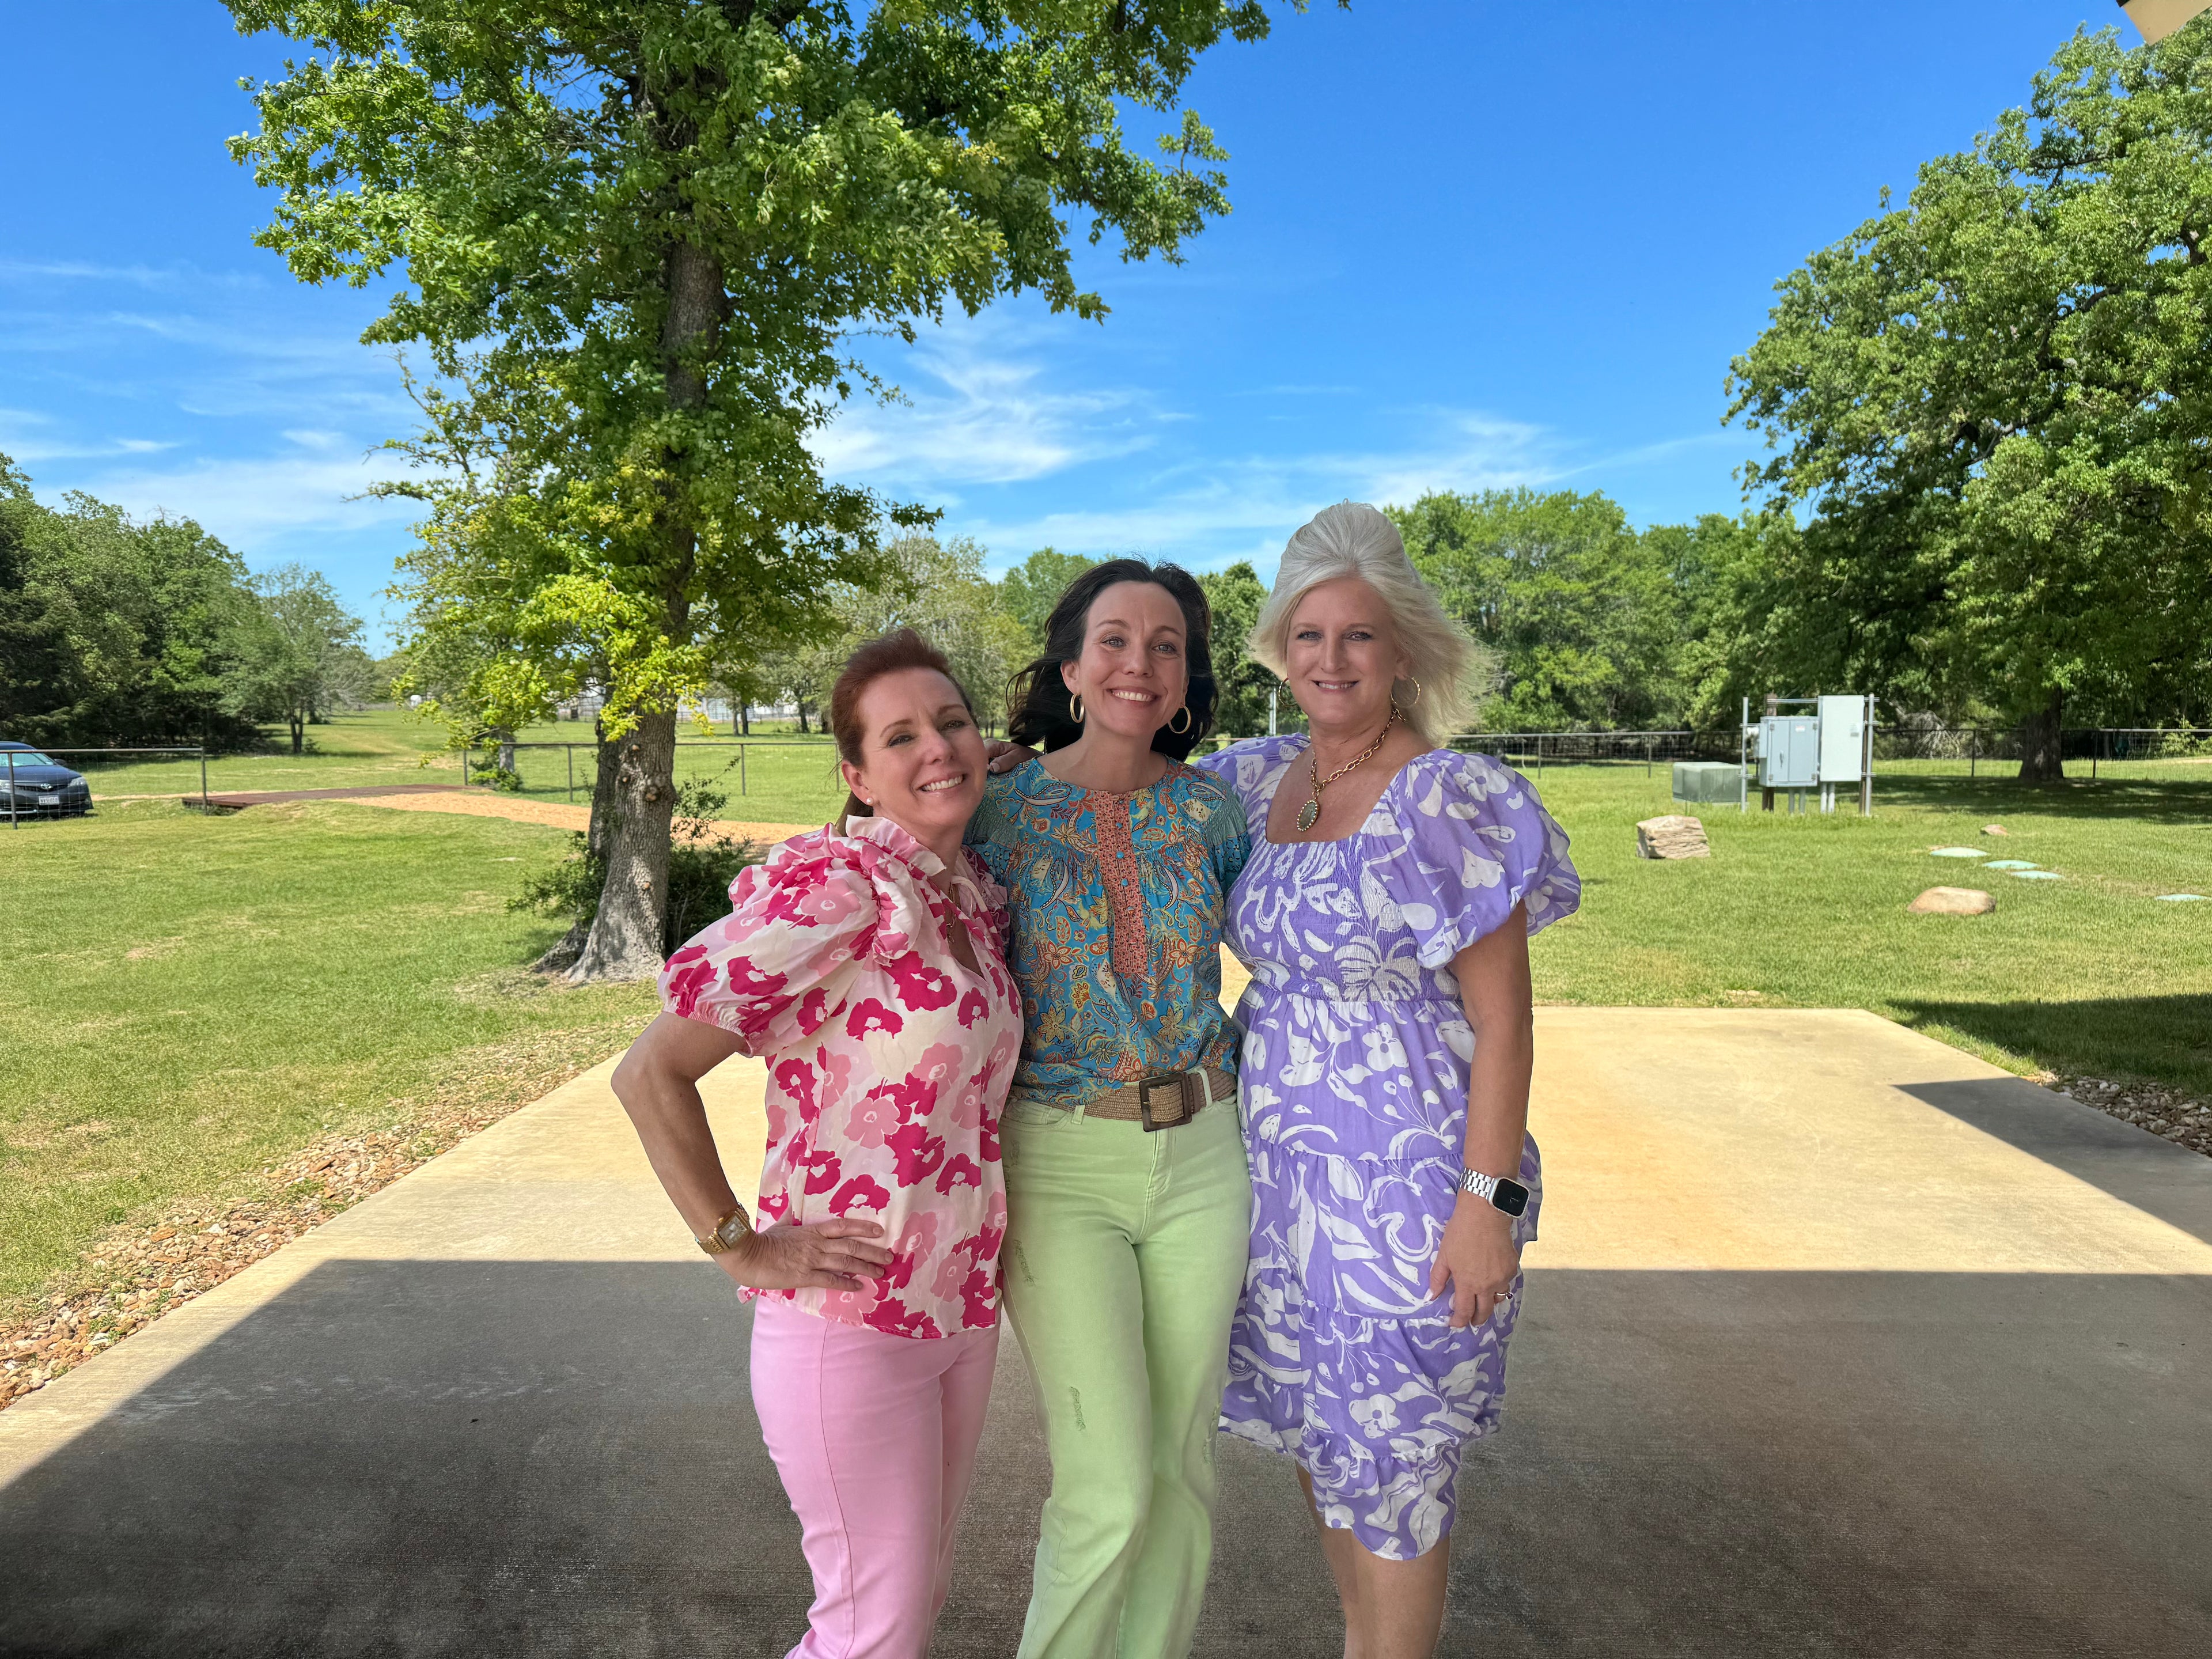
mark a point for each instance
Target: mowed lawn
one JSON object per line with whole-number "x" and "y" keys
{"x": 184, "y": 998}
{"x": 2090, "y": 975}
{"x": 783, "y": 778}
{"x": 188, "y": 997}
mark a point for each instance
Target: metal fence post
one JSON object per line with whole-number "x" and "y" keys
{"x": 570, "y": 752}
{"x": 14, "y": 823}
{"x": 1974, "y": 753}
{"x": 1866, "y": 764}
{"x": 742, "y": 789}
{"x": 203, "y": 800}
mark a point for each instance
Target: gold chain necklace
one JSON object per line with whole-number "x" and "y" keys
{"x": 1309, "y": 814}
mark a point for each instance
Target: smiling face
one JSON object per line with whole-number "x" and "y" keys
{"x": 1134, "y": 667}
{"x": 921, "y": 756}
{"x": 1343, "y": 656}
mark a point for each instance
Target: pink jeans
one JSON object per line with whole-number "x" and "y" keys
{"x": 875, "y": 1437}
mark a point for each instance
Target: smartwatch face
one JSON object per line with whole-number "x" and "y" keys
{"x": 1510, "y": 1197}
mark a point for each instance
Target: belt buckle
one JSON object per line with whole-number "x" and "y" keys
{"x": 1179, "y": 1081}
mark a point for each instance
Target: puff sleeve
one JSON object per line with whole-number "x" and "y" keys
{"x": 1471, "y": 841}
{"x": 783, "y": 961}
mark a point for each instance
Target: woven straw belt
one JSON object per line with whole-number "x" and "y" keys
{"x": 1161, "y": 1100}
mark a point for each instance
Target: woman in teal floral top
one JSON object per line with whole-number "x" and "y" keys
{"x": 1128, "y": 1199}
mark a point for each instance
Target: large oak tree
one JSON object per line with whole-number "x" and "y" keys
{"x": 633, "y": 236}
{"x": 1995, "y": 403}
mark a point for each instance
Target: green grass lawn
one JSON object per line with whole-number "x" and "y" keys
{"x": 2090, "y": 975}
{"x": 784, "y": 778}
{"x": 190, "y": 997}
{"x": 185, "y": 997}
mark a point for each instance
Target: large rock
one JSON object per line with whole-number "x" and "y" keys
{"x": 1674, "y": 836}
{"x": 1953, "y": 902}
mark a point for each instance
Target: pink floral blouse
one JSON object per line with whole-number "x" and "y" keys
{"x": 888, "y": 1061}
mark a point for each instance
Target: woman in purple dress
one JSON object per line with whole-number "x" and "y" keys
{"x": 1385, "y": 916}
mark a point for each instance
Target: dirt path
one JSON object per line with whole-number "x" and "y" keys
{"x": 558, "y": 815}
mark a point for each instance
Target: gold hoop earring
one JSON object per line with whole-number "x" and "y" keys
{"x": 1075, "y": 708}
{"x": 1189, "y": 719}
{"x": 1416, "y": 685}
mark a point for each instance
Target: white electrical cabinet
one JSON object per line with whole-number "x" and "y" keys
{"x": 1842, "y": 739}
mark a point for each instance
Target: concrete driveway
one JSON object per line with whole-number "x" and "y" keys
{"x": 1837, "y": 1342}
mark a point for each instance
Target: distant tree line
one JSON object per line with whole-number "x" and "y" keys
{"x": 115, "y": 632}
{"x": 990, "y": 629}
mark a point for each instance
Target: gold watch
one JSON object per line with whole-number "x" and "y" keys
{"x": 732, "y": 1231}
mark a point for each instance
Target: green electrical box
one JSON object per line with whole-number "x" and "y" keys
{"x": 1708, "y": 780}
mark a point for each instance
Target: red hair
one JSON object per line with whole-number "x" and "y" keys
{"x": 900, "y": 649}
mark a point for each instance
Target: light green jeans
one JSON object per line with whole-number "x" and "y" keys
{"x": 1124, "y": 1257}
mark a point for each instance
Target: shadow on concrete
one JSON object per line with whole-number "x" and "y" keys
{"x": 2166, "y": 1037}
{"x": 560, "y": 1459}
{"x": 2133, "y": 1165}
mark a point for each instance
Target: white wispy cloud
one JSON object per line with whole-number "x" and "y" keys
{"x": 976, "y": 409}
{"x": 136, "y": 276}
{"x": 252, "y": 502}
{"x": 1212, "y": 513}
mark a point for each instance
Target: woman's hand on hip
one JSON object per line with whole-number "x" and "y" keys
{"x": 829, "y": 1255}
{"x": 1478, "y": 1259}
{"x": 1005, "y": 756}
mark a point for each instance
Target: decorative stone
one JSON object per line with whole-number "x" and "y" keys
{"x": 1953, "y": 902}
{"x": 1993, "y": 830}
{"x": 2035, "y": 875}
{"x": 2181, "y": 898}
{"x": 1957, "y": 853}
{"x": 1674, "y": 836}
{"x": 2009, "y": 864}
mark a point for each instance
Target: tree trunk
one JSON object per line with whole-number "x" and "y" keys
{"x": 624, "y": 942}
{"x": 744, "y": 720}
{"x": 605, "y": 774}
{"x": 298, "y": 732}
{"x": 802, "y": 720}
{"x": 2042, "y": 758}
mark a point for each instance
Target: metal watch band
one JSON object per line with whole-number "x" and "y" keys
{"x": 1483, "y": 1187}
{"x": 726, "y": 1233}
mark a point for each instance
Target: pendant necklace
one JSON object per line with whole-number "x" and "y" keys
{"x": 1310, "y": 812}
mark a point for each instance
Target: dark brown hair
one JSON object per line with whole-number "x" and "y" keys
{"x": 901, "y": 648}
{"x": 1039, "y": 712}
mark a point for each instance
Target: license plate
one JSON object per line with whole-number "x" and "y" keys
{"x": 50, "y": 801}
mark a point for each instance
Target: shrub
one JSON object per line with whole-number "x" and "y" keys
{"x": 701, "y": 865}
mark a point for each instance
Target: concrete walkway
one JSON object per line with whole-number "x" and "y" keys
{"x": 1837, "y": 1342}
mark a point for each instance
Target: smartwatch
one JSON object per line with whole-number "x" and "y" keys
{"x": 1500, "y": 1194}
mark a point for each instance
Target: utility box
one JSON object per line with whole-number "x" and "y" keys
{"x": 1843, "y": 739}
{"x": 1789, "y": 752}
{"x": 1708, "y": 780}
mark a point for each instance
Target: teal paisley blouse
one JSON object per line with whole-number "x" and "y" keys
{"x": 1117, "y": 908}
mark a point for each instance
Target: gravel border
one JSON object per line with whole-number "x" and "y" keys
{"x": 2167, "y": 1113}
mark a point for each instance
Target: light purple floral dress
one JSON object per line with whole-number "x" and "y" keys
{"x": 1354, "y": 1094}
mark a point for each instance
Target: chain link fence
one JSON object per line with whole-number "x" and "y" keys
{"x": 1910, "y": 749}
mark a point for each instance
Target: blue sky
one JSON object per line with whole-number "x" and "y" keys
{"x": 1474, "y": 245}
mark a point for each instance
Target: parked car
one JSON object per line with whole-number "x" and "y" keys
{"x": 44, "y": 788}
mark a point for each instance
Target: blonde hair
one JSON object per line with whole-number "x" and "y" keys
{"x": 1354, "y": 539}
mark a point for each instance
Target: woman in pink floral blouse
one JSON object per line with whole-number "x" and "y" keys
{"x": 865, "y": 967}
